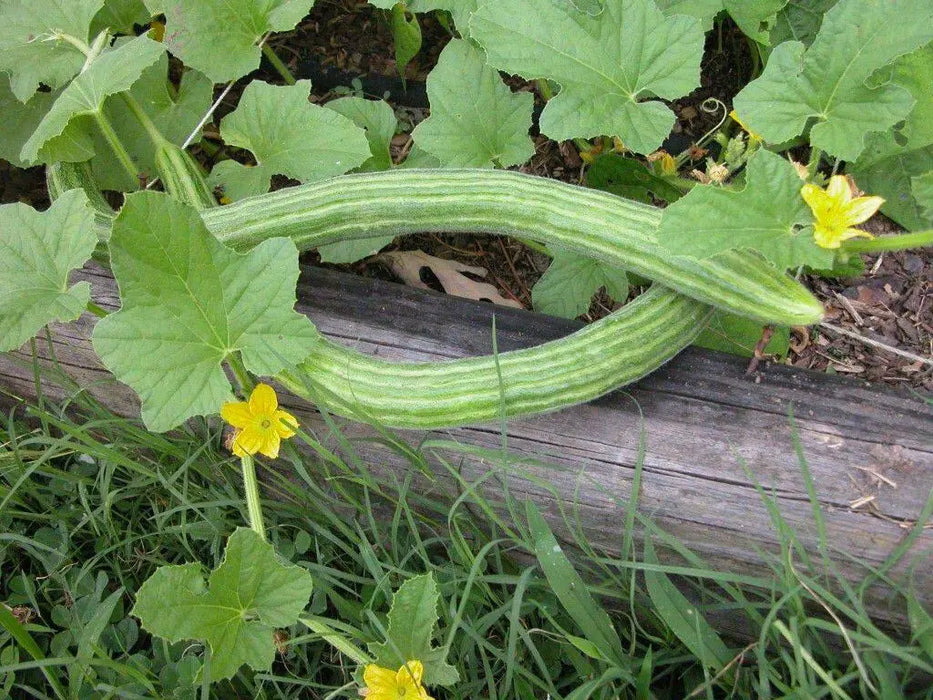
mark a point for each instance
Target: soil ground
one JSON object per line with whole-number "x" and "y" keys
{"x": 890, "y": 303}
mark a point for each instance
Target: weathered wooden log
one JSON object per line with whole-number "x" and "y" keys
{"x": 712, "y": 436}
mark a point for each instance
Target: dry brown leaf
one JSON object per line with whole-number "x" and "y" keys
{"x": 407, "y": 264}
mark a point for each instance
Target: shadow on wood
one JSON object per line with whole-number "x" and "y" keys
{"x": 712, "y": 437}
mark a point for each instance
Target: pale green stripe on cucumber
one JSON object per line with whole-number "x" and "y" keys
{"x": 617, "y": 231}
{"x": 611, "y": 352}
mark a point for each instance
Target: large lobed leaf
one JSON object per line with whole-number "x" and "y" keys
{"x": 605, "y": 76}
{"x": 220, "y": 37}
{"x": 37, "y": 253}
{"x": 289, "y": 136}
{"x": 896, "y": 161}
{"x": 28, "y": 49}
{"x": 754, "y": 17}
{"x": 20, "y": 120}
{"x": 484, "y": 126}
{"x": 188, "y": 303}
{"x": 567, "y": 286}
{"x": 799, "y": 20}
{"x": 828, "y": 81}
{"x": 111, "y": 72}
{"x": 245, "y": 598}
{"x": 769, "y": 216}
{"x": 174, "y": 111}
{"x": 412, "y": 619}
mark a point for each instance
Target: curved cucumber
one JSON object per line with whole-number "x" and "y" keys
{"x": 590, "y": 222}
{"x": 616, "y": 350}
{"x": 182, "y": 177}
{"x": 61, "y": 177}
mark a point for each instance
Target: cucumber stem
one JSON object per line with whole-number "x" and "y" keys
{"x": 137, "y": 109}
{"x": 95, "y": 309}
{"x": 251, "y": 490}
{"x": 902, "y": 241}
{"x": 116, "y": 145}
{"x": 277, "y": 63}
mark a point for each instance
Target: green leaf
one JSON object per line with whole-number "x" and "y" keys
{"x": 799, "y": 20}
{"x": 604, "y": 76}
{"x": 571, "y": 591}
{"x": 895, "y": 161}
{"x": 827, "y": 82}
{"x": 567, "y": 287}
{"x": 419, "y": 158}
{"x": 188, "y": 303}
{"x": 754, "y": 17}
{"x": 289, "y": 136}
{"x": 682, "y": 617}
{"x": 119, "y": 16}
{"x": 768, "y": 215}
{"x": 351, "y": 251}
{"x": 412, "y": 619}
{"x": 175, "y": 112}
{"x": 39, "y": 250}
{"x": 220, "y": 37}
{"x": 235, "y": 611}
{"x": 378, "y": 119}
{"x": 737, "y": 335}
{"x": 20, "y": 120}
{"x": 629, "y": 178}
{"x": 476, "y": 121}
{"x": 111, "y": 72}
{"x": 406, "y": 35}
{"x": 922, "y": 188}
{"x": 459, "y": 9}
{"x": 28, "y": 50}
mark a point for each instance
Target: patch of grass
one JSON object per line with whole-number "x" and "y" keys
{"x": 91, "y": 504}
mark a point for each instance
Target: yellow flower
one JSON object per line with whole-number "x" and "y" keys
{"x": 261, "y": 425}
{"x": 836, "y": 212}
{"x": 751, "y": 134}
{"x": 666, "y": 163}
{"x": 386, "y": 684}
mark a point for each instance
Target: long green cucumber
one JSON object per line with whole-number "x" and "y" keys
{"x": 590, "y": 222}
{"x": 61, "y": 177}
{"x": 616, "y": 350}
{"x": 182, "y": 177}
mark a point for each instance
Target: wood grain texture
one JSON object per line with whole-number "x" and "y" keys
{"x": 712, "y": 436}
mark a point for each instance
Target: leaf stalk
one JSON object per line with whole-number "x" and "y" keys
{"x": 116, "y": 145}
{"x": 251, "y": 490}
{"x": 903, "y": 241}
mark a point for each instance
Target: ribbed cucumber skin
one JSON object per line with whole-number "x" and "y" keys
{"x": 590, "y": 222}
{"x": 181, "y": 176}
{"x": 61, "y": 177}
{"x": 613, "y": 351}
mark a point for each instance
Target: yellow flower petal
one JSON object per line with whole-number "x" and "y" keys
{"x": 835, "y": 212}
{"x": 263, "y": 400}
{"x": 410, "y": 673}
{"x": 854, "y": 233}
{"x": 270, "y": 443}
{"x": 862, "y": 209}
{"x": 237, "y": 414}
{"x": 825, "y": 237}
{"x": 380, "y": 682}
{"x": 838, "y": 189}
{"x": 817, "y": 199}
{"x": 249, "y": 440}
{"x": 286, "y": 424}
